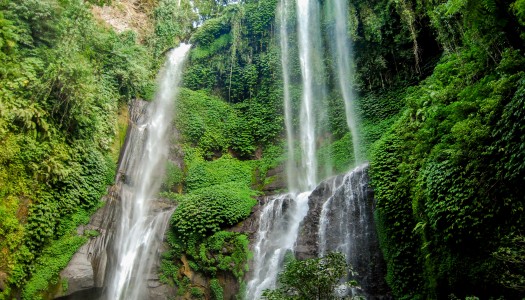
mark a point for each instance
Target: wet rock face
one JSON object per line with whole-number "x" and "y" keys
{"x": 85, "y": 273}
{"x": 307, "y": 245}
{"x": 276, "y": 179}
{"x": 340, "y": 219}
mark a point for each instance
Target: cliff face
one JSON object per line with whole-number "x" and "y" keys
{"x": 341, "y": 219}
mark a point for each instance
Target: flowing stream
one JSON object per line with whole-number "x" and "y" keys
{"x": 140, "y": 231}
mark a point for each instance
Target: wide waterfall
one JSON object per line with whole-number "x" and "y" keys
{"x": 140, "y": 232}
{"x": 342, "y": 214}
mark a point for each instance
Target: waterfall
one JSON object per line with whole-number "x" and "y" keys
{"x": 140, "y": 232}
{"x": 307, "y": 128}
{"x": 291, "y": 171}
{"x": 344, "y": 215}
{"x": 278, "y": 229}
{"x": 345, "y": 219}
{"x": 281, "y": 217}
{"x": 342, "y": 52}
{"x": 346, "y": 225}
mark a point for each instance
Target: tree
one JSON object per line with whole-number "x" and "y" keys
{"x": 315, "y": 278}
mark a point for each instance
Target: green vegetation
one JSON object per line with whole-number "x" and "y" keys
{"x": 216, "y": 290}
{"x": 228, "y": 116}
{"x": 441, "y": 88}
{"x": 62, "y": 79}
{"x": 447, "y": 173}
{"x": 314, "y": 278}
{"x": 207, "y": 210}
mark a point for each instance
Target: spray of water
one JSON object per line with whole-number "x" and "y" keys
{"x": 307, "y": 129}
{"x": 280, "y": 220}
{"x": 283, "y": 11}
{"x": 346, "y": 225}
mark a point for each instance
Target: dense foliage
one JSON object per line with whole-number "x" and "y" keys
{"x": 441, "y": 87}
{"x": 228, "y": 117}
{"x": 448, "y": 172}
{"x": 315, "y": 278}
{"x": 62, "y": 77}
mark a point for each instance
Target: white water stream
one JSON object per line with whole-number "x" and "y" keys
{"x": 307, "y": 133}
{"x": 278, "y": 229}
{"x": 140, "y": 232}
{"x": 342, "y": 49}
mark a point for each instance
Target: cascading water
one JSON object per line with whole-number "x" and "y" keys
{"x": 341, "y": 217}
{"x": 279, "y": 222}
{"x": 347, "y": 200}
{"x": 346, "y": 225}
{"x": 278, "y": 229}
{"x": 140, "y": 232}
{"x": 285, "y": 63}
{"x": 307, "y": 128}
{"x": 341, "y": 47}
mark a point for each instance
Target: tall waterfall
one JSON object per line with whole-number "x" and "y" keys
{"x": 140, "y": 232}
{"x": 281, "y": 217}
{"x": 345, "y": 222}
{"x": 342, "y": 52}
{"x": 283, "y": 11}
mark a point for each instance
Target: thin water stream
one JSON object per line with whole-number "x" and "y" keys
{"x": 341, "y": 46}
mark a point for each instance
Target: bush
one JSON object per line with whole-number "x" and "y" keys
{"x": 207, "y": 210}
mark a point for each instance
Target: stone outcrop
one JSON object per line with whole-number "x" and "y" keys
{"x": 275, "y": 181}
{"x": 85, "y": 272}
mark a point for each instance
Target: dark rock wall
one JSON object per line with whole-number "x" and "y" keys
{"x": 350, "y": 228}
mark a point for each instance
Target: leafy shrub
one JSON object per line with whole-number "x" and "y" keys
{"x": 223, "y": 170}
{"x": 447, "y": 198}
{"x": 314, "y": 278}
{"x": 216, "y": 290}
{"x": 49, "y": 264}
{"x": 174, "y": 176}
{"x": 207, "y": 210}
